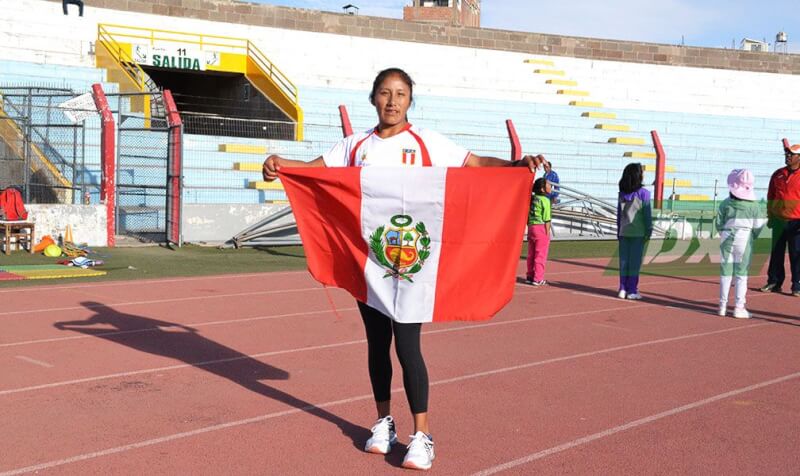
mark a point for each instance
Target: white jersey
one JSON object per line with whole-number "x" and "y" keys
{"x": 414, "y": 147}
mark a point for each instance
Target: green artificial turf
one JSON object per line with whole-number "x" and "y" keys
{"x": 158, "y": 262}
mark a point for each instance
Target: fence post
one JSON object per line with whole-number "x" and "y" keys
{"x": 174, "y": 167}
{"x": 661, "y": 161}
{"x": 107, "y": 161}
{"x": 516, "y": 148}
{"x": 347, "y": 129}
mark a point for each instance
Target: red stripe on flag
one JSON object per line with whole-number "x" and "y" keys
{"x": 485, "y": 214}
{"x": 327, "y": 206}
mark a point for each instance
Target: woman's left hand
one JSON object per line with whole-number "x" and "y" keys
{"x": 533, "y": 162}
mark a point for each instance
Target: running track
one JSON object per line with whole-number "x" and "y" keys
{"x": 266, "y": 374}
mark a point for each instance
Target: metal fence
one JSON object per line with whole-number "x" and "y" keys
{"x": 43, "y": 150}
{"x": 15, "y": 152}
{"x": 223, "y": 168}
{"x": 145, "y": 151}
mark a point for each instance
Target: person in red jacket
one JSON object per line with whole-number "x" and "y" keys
{"x": 783, "y": 213}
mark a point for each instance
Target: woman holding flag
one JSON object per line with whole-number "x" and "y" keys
{"x": 394, "y": 142}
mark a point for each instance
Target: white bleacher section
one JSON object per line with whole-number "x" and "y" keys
{"x": 709, "y": 120}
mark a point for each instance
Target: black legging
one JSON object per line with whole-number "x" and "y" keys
{"x": 379, "y": 330}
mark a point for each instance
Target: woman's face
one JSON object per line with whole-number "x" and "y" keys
{"x": 392, "y": 100}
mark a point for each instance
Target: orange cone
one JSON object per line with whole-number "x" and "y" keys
{"x": 68, "y": 234}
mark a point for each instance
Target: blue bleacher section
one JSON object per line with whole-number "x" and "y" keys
{"x": 702, "y": 147}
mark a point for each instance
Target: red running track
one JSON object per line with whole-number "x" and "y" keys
{"x": 257, "y": 374}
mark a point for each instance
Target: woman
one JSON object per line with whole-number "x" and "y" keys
{"x": 395, "y": 142}
{"x": 634, "y": 226}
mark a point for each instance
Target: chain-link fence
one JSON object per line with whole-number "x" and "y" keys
{"x": 145, "y": 150}
{"x": 14, "y": 153}
{"x": 43, "y": 148}
{"x": 214, "y": 124}
{"x": 224, "y": 167}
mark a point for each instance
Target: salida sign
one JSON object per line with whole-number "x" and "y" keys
{"x": 178, "y": 62}
{"x": 176, "y": 58}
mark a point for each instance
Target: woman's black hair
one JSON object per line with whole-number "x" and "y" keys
{"x": 539, "y": 185}
{"x": 389, "y": 72}
{"x": 632, "y": 178}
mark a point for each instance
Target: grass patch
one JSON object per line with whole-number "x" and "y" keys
{"x": 159, "y": 262}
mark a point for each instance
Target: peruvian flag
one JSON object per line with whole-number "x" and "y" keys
{"x": 418, "y": 244}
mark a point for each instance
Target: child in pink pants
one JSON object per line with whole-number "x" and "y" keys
{"x": 538, "y": 232}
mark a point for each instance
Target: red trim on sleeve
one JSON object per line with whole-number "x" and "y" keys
{"x": 352, "y": 161}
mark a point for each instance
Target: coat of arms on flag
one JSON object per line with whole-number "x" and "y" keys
{"x": 402, "y": 247}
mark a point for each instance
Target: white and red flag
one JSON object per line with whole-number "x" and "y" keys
{"x": 418, "y": 244}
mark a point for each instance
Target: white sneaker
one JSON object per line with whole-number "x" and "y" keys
{"x": 420, "y": 452}
{"x": 383, "y": 436}
{"x": 741, "y": 313}
{"x": 622, "y": 294}
{"x": 723, "y": 310}
{"x": 634, "y": 296}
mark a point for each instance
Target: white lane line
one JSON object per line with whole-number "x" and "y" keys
{"x": 159, "y": 301}
{"x": 633, "y": 424}
{"x": 59, "y": 339}
{"x": 133, "y": 282}
{"x": 554, "y": 287}
{"x": 596, "y": 352}
{"x": 598, "y": 296}
{"x": 627, "y": 307}
{"x": 196, "y": 324}
{"x": 261, "y": 418}
{"x": 40, "y": 363}
{"x": 291, "y": 351}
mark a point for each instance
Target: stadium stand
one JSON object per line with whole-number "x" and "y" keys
{"x": 590, "y": 117}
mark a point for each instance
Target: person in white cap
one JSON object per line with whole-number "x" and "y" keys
{"x": 739, "y": 221}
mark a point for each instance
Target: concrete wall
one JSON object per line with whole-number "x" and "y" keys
{"x": 231, "y": 11}
{"x": 88, "y": 222}
{"x": 218, "y": 223}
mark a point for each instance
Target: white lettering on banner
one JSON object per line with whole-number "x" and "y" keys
{"x": 79, "y": 108}
{"x": 175, "y": 57}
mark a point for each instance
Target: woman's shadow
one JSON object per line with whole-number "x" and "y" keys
{"x": 186, "y": 344}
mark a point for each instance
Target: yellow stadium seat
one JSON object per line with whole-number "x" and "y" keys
{"x": 243, "y": 149}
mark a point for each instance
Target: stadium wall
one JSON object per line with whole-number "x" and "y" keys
{"x": 214, "y": 223}
{"x": 88, "y": 222}
{"x": 235, "y": 12}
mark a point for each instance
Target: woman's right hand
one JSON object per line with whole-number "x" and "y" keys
{"x": 271, "y": 167}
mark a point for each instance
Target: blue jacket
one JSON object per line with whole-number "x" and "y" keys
{"x": 552, "y": 177}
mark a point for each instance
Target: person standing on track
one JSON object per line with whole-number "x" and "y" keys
{"x": 739, "y": 221}
{"x": 394, "y": 142}
{"x": 634, "y": 227}
{"x": 783, "y": 212}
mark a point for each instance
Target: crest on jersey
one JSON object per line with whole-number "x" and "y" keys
{"x": 409, "y": 155}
